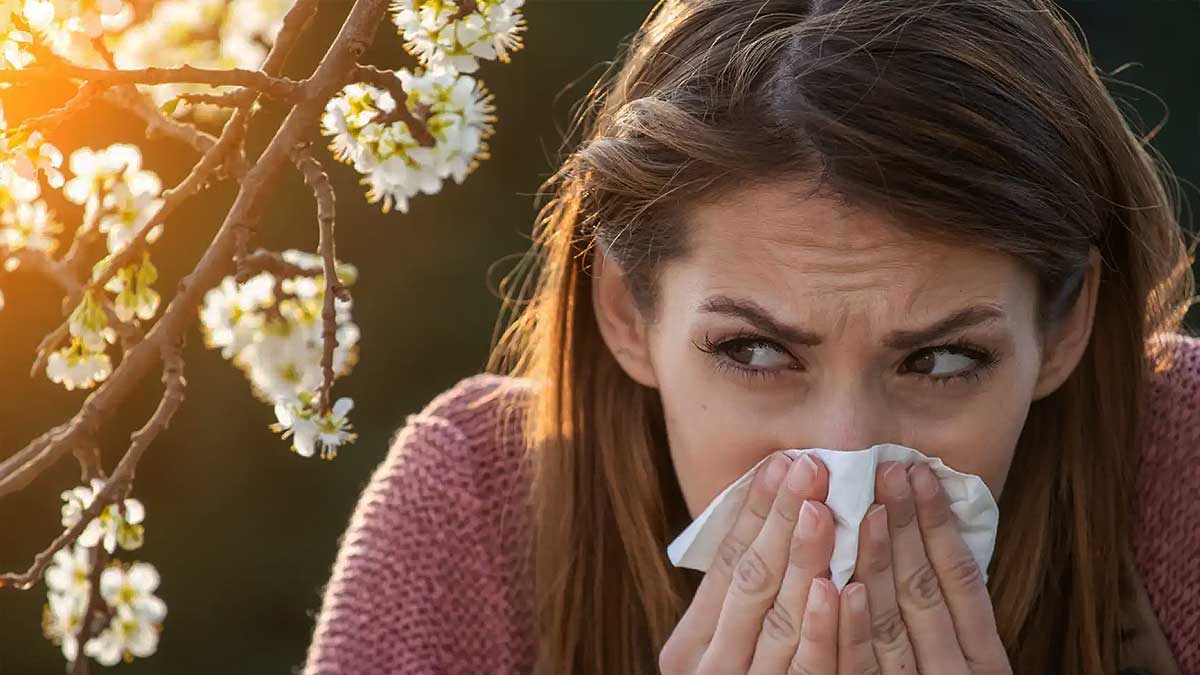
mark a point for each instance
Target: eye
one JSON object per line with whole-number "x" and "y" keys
{"x": 947, "y": 361}
{"x": 759, "y": 355}
{"x": 749, "y": 355}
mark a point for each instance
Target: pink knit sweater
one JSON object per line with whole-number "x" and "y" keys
{"x": 428, "y": 580}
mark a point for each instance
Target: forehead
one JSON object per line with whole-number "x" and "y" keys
{"x": 797, "y": 252}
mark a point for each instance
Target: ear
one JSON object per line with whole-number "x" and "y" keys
{"x": 622, "y": 326}
{"x": 1065, "y": 342}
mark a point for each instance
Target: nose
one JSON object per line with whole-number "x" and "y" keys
{"x": 843, "y": 417}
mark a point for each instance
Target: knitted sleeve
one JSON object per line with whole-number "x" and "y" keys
{"x": 415, "y": 586}
{"x": 1167, "y": 524}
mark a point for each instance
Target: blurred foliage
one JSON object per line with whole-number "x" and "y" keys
{"x": 244, "y": 532}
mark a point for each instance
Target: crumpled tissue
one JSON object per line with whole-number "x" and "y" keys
{"x": 851, "y": 493}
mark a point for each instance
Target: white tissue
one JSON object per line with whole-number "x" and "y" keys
{"x": 851, "y": 493}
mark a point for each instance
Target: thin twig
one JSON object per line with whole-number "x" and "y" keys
{"x": 241, "y": 98}
{"x": 98, "y": 557}
{"x": 318, "y": 180}
{"x": 386, "y": 79}
{"x": 48, "y": 122}
{"x": 158, "y": 124}
{"x": 263, "y": 260}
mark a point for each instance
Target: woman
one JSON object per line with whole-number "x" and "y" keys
{"x": 813, "y": 224}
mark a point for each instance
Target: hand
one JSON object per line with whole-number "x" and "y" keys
{"x": 749, "y": 614}
{"x": 929, "y": 607}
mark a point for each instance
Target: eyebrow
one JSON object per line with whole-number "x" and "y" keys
{"x": 760, "y": 318}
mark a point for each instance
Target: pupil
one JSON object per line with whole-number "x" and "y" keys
{"x": 744, "y": 353}
{"x": 922, "y": 364}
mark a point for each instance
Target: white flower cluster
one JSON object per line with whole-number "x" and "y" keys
{"x": 115, "y": 191}
{"x": 134, "y": 614}
{"x": 120, "y": 198}
{"x": 68, "y": 26}
{"x": 449, "y": 39}
{"x": 456, "y": 109}
{"x": 202, "y": 33}
{"x": 15, "y": 16}
{"x": 272, "y": 330}
{"x": 26, "y": 222}
{"x": 435, "y": 33}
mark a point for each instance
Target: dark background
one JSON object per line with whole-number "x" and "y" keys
{"x": 244, "y": 532}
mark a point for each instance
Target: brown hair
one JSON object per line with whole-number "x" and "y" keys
{"x": 982, "y": 121}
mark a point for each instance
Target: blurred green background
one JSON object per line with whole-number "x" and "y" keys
{"x": 244, "y": 532}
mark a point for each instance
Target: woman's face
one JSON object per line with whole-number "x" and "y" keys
{"x": 797, "y": 323}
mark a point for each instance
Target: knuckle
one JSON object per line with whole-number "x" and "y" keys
{"x": 878, "y": 559}
{"x": 921, "y": 588}
{"x": 936, "y": 514}
{"x": 752, "y": 575}
{"x": 729, "y": 552}
{"x": 902, "y": 513}
{"x": 797, "y": 668}
{"x": 802, "y": 554}
{"x": 779, "y": 624}
{"x": 888, "y": 632}
{"x": 964, "y": 573}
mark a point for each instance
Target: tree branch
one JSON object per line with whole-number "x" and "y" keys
{"x": 117, "y": 486}
{"x": 355, "y": 36}
{"x": 280, "y": 88}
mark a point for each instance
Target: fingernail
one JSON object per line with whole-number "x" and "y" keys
{"x": 856, "y": 596}
{"x": 818, "y": 598}
{"x": 776, "y": 468}
{"x": 896, "y": 480}
{"x": 803, "y": 474}
{"x": 856, "y": 601}
{"x": 808, "y": 518}
{"x": 877, "y": 522}
{"x": 923, "y": 481}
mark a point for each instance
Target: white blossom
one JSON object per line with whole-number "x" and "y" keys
{"x": 432, "y": 33}
{"x": 77, "y": 367}
{"x": 127, "y": 635}
{"x": 70, "y": 572}
{"x": 28, "y": 225}
{"x": 62, "y": 616}
{"x": 133, "y": 587}
{"x": 310, "y": 429}
{"x": 109, "y": 528}
{"x": 115, "y": 191}
{"x": 132, "y": 284}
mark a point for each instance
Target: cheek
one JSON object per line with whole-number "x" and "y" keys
{"x": 712, "y": 439}
{"x": 980, "y": 439}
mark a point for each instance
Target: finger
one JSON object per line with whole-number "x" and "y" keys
{"x": 817, "y": 652}
{"x": 759, "y": 572}
{"x": 698, "y": 623}
{"x": 958, "y": 574}
{"x": 922, "y": 606}
{"x": 808, "y": 558}
{"x": 874, "y": 569}
{"x": 856, "y": 656}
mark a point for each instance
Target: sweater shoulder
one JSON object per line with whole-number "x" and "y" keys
{"x": 471, "y": 435}
{"x": 1173, "y": 422}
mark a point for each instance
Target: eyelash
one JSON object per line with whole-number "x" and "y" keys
{"x": 986, "y": 359}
